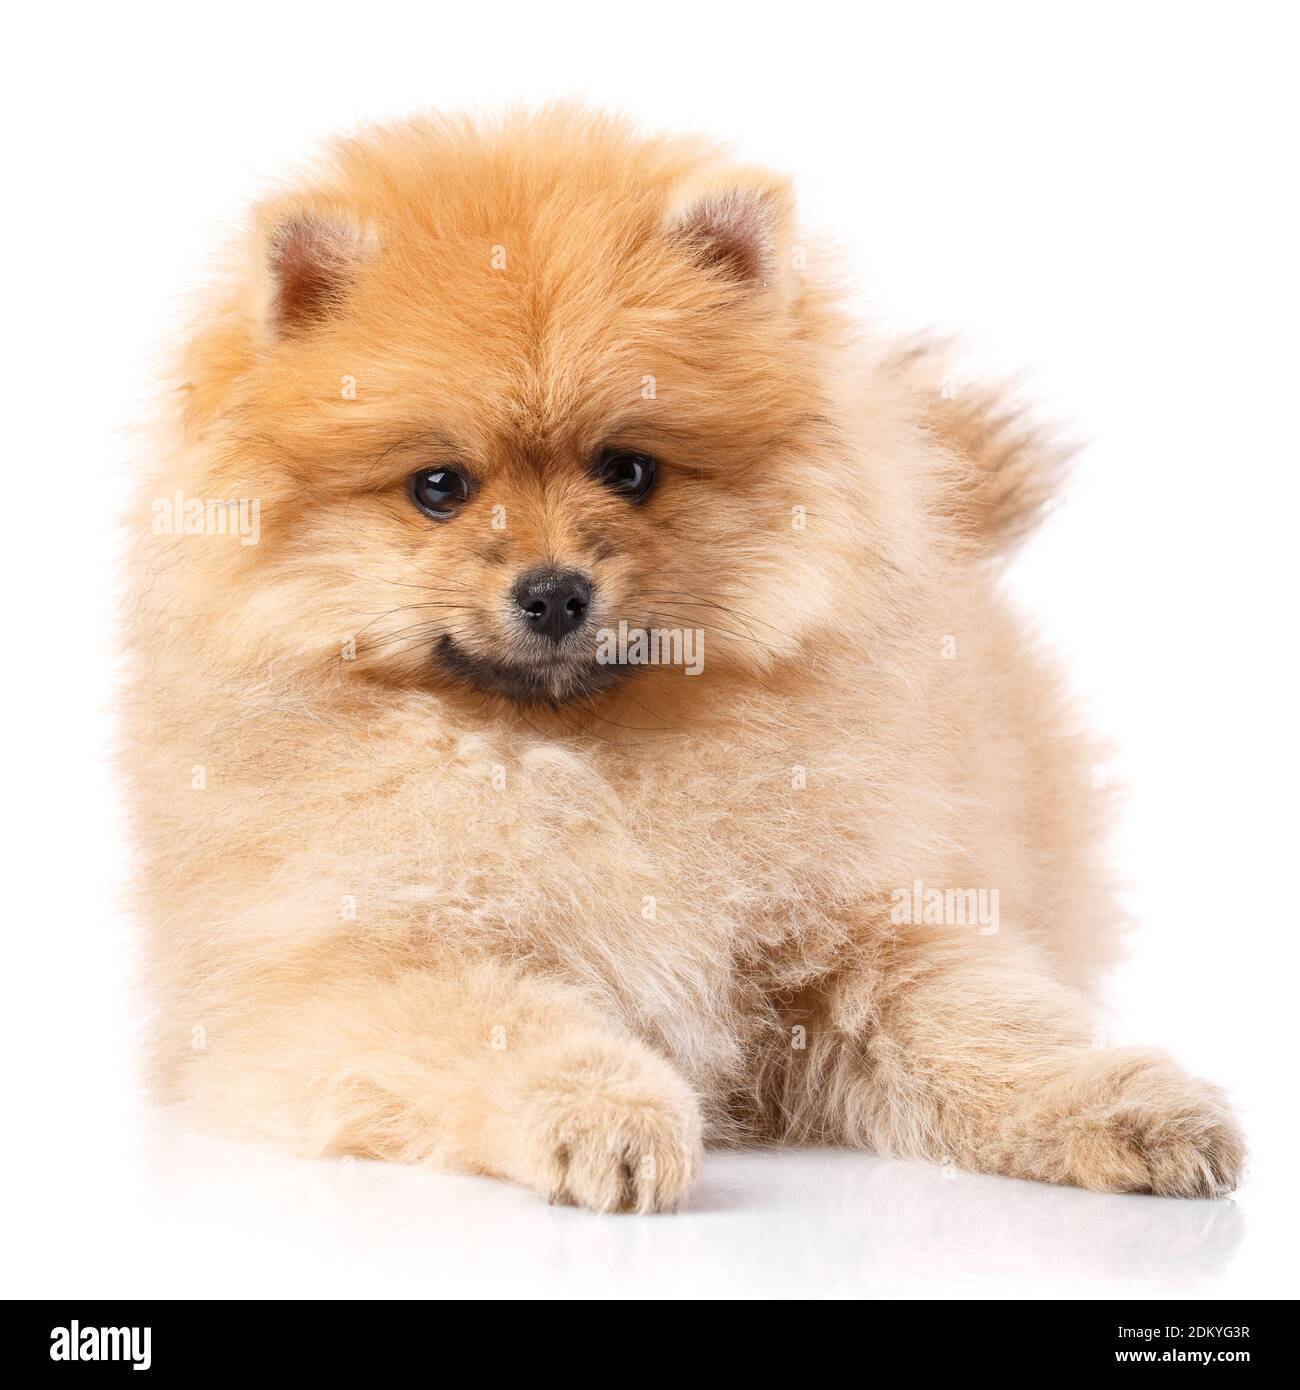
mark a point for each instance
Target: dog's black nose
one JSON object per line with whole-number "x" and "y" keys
{"x": 553, "y": 603}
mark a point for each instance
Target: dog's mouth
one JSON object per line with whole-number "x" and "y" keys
{"x": 552, "y": 679}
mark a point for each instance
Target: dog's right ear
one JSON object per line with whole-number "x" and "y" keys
{"x": 734, "y": 223}
{"x": 309, "y": 259}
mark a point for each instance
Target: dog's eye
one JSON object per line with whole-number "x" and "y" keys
{"x": 630, "y": 475}
{"x": 439, "y": 491}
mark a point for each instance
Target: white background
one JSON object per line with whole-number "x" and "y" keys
{"x": 1101, "y": 194}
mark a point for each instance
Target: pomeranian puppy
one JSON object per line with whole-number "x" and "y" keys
{"x": 572, "y": 715}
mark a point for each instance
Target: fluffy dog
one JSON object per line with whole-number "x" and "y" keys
{"x": 572, "y": 717}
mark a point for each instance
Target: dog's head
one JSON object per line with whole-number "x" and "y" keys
{"x": 523, "y": 407}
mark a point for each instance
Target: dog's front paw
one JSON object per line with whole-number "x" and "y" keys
{"x": 611, "y": 1126}
{"x": 1130, "y": 1121}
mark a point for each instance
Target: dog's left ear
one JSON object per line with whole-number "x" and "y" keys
{"x": 738, "y": 226}
{"x": 309, "y": 258}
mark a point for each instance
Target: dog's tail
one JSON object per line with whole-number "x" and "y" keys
{"x": 1006, "y": 469}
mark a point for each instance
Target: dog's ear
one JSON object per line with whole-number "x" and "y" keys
{"x": 310, "y": 257}
{"x": 737, "y": 225}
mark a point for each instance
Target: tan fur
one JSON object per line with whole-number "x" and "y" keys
{"x": 567, "y": 943}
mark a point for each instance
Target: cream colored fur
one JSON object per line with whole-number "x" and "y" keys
{"x": 391, "y": 914}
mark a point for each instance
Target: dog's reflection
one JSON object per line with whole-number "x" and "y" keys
{"x": 782, "y": 1223}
